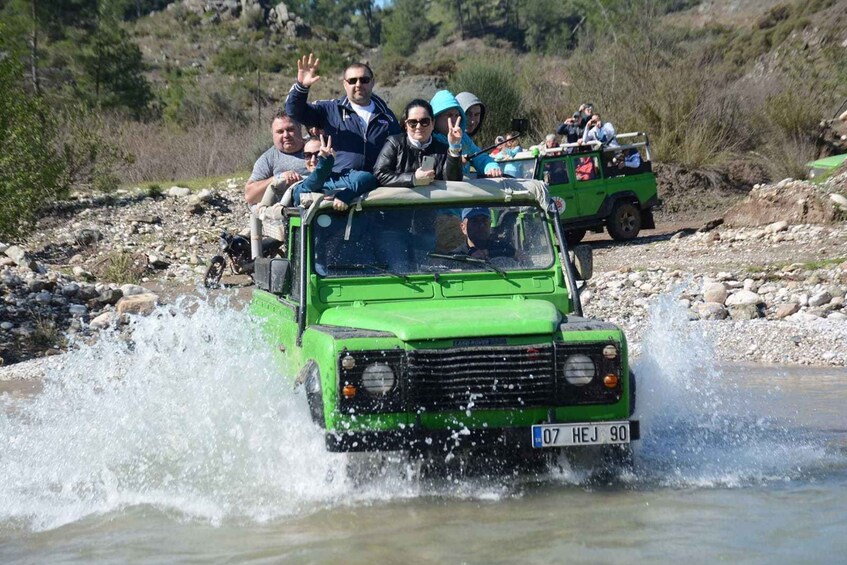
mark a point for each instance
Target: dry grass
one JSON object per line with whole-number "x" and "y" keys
{"x": 163, "y": 153}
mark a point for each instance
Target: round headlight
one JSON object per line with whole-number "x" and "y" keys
{"x": 378, "y": 378}
{"x": 579, "y": 369}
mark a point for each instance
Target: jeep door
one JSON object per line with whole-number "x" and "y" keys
{"x": 589, "y": 184}
{"x": 554, "y": 171}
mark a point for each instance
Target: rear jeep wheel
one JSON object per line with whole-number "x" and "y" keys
{"x": 624, "y": 222}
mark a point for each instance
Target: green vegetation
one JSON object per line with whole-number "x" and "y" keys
{"x": 139, "y": 91}
{"x": 30, "y": 172}
{"x": 122, "y": 267}
{"x": 495, "y": 86}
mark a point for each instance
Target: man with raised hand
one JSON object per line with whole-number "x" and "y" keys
{"x": 358, "y": 122}
{"x": 283, "y": 163}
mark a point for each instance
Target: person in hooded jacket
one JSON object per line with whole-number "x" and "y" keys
{"x": 446, "y": 107}
{"x": 474, "y": 111}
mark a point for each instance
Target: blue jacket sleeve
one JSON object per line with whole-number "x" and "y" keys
{"x": 317, "y": 178}
{"x": 482, "y": 162}
{"x": 296, "y": 106}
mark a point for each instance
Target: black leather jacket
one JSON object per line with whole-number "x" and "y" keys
{"x": 398, "y": 161}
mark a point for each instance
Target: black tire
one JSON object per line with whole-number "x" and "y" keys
{"x": 214, "y": 272}
{"x": 624, "y": 222}
{"x": 574, "y": 236}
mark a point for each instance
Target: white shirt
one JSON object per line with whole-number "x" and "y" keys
{"x": 364, "y": 112}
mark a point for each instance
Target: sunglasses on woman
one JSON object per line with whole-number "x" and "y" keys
{"x": 354, "y": 80}
{"x": 423, "y": 122}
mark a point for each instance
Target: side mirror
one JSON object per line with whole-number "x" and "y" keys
{"x": 273, "y": 275}
{"x": 583, "y": 259}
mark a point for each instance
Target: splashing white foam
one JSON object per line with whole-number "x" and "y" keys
{"x": 192, "y": 416}
{"x": 700, "y": 428}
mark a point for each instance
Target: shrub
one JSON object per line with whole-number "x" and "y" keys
{"x": 495, "y": 86}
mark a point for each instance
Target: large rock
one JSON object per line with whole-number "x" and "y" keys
{"x": 179, "y": 191}
{"x": 715, "y": 292}
{"x": 21, "y": 258}
{"x": 820, "y": 298}
{"x": 137, "y": 304}
{"x": 745, "y": 312}
{"x": 711, "y": 311}
{"x": 743, "y": 298}
{"x": 785, "y": 310}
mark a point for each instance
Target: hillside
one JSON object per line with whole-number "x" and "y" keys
{"x": 732, "y": 92}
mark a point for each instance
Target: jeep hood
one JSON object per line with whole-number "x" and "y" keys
{"x": 444, "y": 319}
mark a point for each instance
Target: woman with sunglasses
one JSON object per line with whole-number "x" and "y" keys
{"x": 400, "y": 161}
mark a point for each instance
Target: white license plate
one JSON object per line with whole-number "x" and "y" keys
{"x": 565, "y": 435}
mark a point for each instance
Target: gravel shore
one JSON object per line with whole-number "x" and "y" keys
{"x": 767, "y": 294}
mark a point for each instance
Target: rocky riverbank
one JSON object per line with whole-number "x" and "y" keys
{"x": 772, "y": 293}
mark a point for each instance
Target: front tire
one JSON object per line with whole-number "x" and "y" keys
{"x": 624, "y": 222}
{"x": 574, "y": 236}
{"x": 215, "y": 272}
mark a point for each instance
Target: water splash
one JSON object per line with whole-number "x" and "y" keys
{"x": 699, "y": 427}
{"x": 191, "y": 416}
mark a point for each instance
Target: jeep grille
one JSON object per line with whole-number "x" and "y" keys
{"x": 515, "y": 376}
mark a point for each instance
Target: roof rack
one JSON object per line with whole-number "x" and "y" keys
{"x": 592, "y": 145}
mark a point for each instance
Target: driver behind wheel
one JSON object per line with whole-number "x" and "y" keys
{"x": 476, "y": 229}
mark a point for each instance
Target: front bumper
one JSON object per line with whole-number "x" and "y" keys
{"x": 416, "y": 439}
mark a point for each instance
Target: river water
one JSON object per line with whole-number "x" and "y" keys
{"x": 184, "y": 444}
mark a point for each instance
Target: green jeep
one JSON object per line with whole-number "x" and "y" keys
{"x": 596, "y": 186}
{"x": 401, "y": 340}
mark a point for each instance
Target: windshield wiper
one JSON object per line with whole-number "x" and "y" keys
{"x": 363, "y": 266}
{"x": 464, "y": 258}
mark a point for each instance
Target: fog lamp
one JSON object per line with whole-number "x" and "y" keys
{"x": 378, "y": 378}
{"x": 349, "y": 391}
{"x": 610, "y": 352}
{"x": 348, "y": 362}
{"x": 610, "y": 381}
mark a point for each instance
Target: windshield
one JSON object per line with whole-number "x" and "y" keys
{"x": 519, "y": 168}
{"x": 405, "y": 241}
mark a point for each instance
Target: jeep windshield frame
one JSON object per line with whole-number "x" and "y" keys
{"x": 405, "y": 241}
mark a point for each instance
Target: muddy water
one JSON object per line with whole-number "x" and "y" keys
{"x": 185, "y": 445}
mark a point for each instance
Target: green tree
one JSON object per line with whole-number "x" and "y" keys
{"x": 405, "y": 27}
{"x": 30, "y": 171}
{"x": 78, "y": 49}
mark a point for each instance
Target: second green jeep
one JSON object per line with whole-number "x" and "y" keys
{"x": 596, "y": 187}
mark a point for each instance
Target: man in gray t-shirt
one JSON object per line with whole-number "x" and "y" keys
{"x": 281, "y": 164}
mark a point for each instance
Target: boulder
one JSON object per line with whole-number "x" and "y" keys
{"x": 137, "y": 304}
{"x": 133, "y": 289}
{"x": 21, "y": 258}
{"x": 820, "y": 298}
{"x": 785, "y": 310}
{"x": 715, "y": 292}
{"x": 103, "y": 321}
{"x": 743, "y": 298}
{"x": 179, "y": 191}
{"x": 745, "y": 312}
{"x": 711, "y": 311}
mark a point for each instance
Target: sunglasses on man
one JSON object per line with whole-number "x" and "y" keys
{"x": 423, "y": 122}
{"x": 355, "y": 80}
